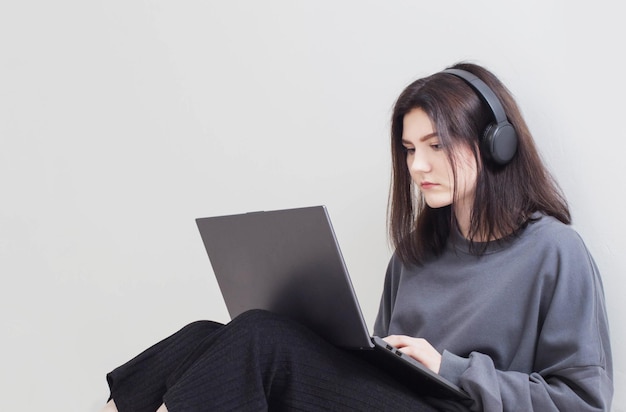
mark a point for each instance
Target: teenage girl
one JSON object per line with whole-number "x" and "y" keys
{"x": 489, "y": 286}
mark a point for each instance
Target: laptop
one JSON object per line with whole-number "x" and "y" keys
{"x": 289, "y": 262}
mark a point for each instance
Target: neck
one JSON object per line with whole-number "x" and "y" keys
{"x": 463, "y": 221}
{"x": 463, "y": 218}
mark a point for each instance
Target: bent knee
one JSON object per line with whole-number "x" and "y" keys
{"x": 270, "y": 326}
{"x": 201, "y": 328}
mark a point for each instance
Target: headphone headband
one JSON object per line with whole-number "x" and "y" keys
{"x": 483, "y": 90}
{"x": 499, "y": 141}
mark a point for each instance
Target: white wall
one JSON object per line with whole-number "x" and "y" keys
{"x": 122, "y": 121}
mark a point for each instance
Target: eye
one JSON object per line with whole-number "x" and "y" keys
{"x": 436, "y": 146}
{"x": 408, "y": 150}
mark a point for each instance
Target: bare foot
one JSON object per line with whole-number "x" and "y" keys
{"x": 110, "y": 407}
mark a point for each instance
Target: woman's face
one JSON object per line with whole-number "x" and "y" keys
{"x": 431, "y": 169}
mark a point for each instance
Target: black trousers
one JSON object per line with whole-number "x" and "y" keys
{"x": 257, "y": 362}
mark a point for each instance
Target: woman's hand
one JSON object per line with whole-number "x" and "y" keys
{"x": 417, "y": 348}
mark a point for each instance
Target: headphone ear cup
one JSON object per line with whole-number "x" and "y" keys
{"x": 499, "y": 142}
{"x": 485, "y": 141}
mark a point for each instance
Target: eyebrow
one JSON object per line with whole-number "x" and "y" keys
{"x": 423, "y": 138}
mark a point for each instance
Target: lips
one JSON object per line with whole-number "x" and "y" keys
{"x": 428, "y": 185}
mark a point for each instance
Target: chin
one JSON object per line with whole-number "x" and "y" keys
{"x": 433, "y": 204}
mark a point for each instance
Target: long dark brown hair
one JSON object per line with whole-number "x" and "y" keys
{"x": 506, "y": 196}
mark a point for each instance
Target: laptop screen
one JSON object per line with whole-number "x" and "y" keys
{"x": 288, "y": 262}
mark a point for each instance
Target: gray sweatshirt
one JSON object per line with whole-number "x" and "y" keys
{"x": 521, "y": 328}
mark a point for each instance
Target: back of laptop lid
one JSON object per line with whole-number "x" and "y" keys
{"x": 287, "y": 262}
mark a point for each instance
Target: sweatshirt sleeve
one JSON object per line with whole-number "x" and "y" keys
{"x": 573, "y": 367}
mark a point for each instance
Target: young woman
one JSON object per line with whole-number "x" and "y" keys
{"x": 489, "y": 286}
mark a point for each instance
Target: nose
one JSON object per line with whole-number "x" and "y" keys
{"x": 418, "y": 163}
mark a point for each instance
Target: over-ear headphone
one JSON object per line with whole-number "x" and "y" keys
{"x": 499, "y": 140}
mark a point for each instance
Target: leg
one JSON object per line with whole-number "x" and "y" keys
{"x": 262, "y": 361}
{"x": 139, "y": 385}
